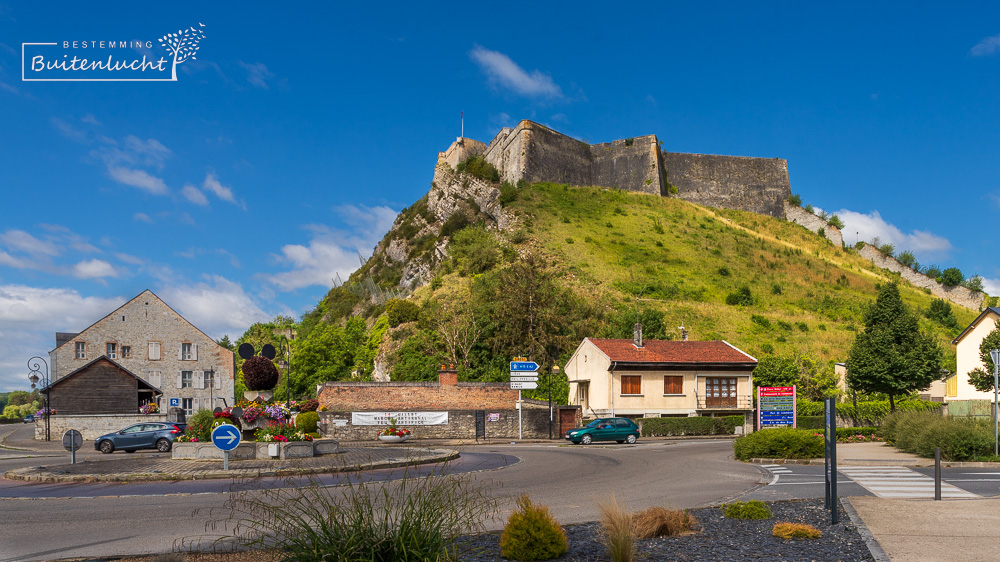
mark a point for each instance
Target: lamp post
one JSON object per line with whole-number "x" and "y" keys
{"x": 553, "y": 371}
{"x": 35, "y": 364}
{"x": 995, "y": 356}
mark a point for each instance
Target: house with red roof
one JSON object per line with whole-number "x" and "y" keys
{"x": 636, "y": 378}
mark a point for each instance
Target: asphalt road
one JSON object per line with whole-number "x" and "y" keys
{"x": 105, "y": 520}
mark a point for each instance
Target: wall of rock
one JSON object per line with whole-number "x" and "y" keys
{"x": 798, "y": 215}
{"x": 958, "y": 295}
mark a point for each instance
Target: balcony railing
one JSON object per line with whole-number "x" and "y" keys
{"x": 729, "y": 403}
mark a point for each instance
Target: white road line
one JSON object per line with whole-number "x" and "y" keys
{"x": 900, "y": 482}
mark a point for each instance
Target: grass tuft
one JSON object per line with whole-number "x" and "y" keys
{"x": 659, "y": 522}
{"x": 795, "y": 531}
{"x": 618, "y": 530}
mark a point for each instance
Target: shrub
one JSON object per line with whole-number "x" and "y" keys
{"x": 659, "y": 522}
{"x": 401, "y": 311}
{"x": 869, "y": 412}
{"x": 835, "y": 221}
{"x": 753, "y": 509}
{"x": 760, "y": 321}
{"x": 795, "y": 531}
{"x": 307, "y": 422}
{"x": 618, "y": 530}
{"x": 742, "y": 297}
{"x": 310, "y": 405}
{"x": 724, "y": 271}
{"x": 415, "y": 518}
{"x": 775, "y": 289}
{"x": 508, "y": 193}
{"x": 532, "y": 533}
{"x": 478, "y": 166}
{"x": 784, "y": 443}
{"x": 259, "y": 373}
{"x": 200, "y": 425}
{"x": 919, "y": 433}
{"x": 795, "y": 199}
{"x": 696, "y": 425}
{"x": 951, "y": 277}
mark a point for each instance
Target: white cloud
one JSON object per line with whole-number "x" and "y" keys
{"x": 988, "y": 46}
{"x": 69, "y": 131}
{"x": 257, "y": 74}
{"x": 218, "y": 306}
{"x": 129, "y": 259}
{"x": 332, "y": 252}
{"x": 29, "y": 318}
{"x": 212, "y": 184}
{"x": 149, "y": 152}
{"x": 505, "y": 73}
{"x": 94, "y": 269}
{"x": 142, "y": 217}
{"x": 21, "y": 241}
{"x": 89, "y": 118}
{"x": 138, "y": 178}
{"x": 868, "y": 226}
{"x": 194, "y": 195}
{"x": 991, "y": 286}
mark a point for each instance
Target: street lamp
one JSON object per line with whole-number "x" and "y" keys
{"x": 35, "y": 364}
{"x": 555, "y": 370}
{"x": 995, "y": 356}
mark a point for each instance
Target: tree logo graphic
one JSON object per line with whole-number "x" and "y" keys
{"x": 183, "y": 45}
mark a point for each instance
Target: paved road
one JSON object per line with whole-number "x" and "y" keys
{"x": 788, "y": 482}
{"x": 137, "y": 519}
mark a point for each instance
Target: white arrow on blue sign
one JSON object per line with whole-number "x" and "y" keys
{"x": 226, "y": 437}
{"x": 522, "y": 366}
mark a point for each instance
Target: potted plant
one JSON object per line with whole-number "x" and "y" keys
{"x": 150, "y": 408}
{"x": 393, "y": 434}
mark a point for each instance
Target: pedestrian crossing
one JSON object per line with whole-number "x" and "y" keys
{"x": 900, "y": 482}
{"x": 777, "y": 468}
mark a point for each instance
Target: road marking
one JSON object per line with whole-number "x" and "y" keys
{"x": 777, "y": 468}
{"x": 900, "y": 482}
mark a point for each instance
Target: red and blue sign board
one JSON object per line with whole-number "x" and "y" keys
{"x": 776, "y": 406}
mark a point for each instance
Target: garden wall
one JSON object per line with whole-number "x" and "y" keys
{"x": 92, "y": 426}
{"x": 461, "y": 425}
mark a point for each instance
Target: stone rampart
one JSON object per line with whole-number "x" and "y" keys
{"x": 759, "y": 185}
{"x": 630, "y": 164}
{"x": 957, "y": 294}
{"x": 798, "y": 215}
{"x": 460, "y": 150}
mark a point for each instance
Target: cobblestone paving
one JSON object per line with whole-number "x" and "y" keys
{"x": 162, "y": 468}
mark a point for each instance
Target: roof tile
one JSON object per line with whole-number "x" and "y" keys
{"x": 664, "y": 351}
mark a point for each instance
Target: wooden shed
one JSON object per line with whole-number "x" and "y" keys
{"x": 100, "y": 387}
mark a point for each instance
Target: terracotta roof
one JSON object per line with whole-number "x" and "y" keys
{"x": 675, "y": 352}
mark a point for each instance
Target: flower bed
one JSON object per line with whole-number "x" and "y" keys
{"x": 252, "y": 450}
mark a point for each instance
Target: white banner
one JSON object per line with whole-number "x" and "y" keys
{"x": 402, "y": 418}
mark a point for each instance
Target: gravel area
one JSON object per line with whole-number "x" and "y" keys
{"x": 719, "y": 539}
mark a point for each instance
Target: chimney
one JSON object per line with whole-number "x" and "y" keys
{"x": 637, "y": 335}
{"x": 448, "y": 375}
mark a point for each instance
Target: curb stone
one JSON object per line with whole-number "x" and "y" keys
{"x": 876, "y": 549}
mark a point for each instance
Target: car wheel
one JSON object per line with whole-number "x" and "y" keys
{"x": 630, "y": 439}
{"x": 587, "y": 440}
{"x": 107, "y": 447}
{"x": 163, "y": 445}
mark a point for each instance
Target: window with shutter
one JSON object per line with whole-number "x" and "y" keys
{"x": 673, "y": 385}
{"x": 154, "y": 351}
{"x": 631, "y": 384}
{"x": 199, "y": 382}
{"x": 180, "y": 380}
{"x": 218, "y": 381}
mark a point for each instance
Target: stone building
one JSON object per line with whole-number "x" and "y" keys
{"x": 147, "y": 338}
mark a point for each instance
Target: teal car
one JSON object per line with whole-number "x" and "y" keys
{"x": 622, "y": 430}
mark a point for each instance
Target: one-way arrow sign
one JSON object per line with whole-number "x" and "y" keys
{"x": 522, "y": 366}
{"x": 226, "y": 437}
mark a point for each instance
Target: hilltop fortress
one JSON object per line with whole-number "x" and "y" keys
{"x": 535, "y": 153}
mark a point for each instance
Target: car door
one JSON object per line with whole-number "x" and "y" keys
{"x": 605, "y": 430}
{"x": 622, "y": 429}
{"x": 128, "y": 438}
{"x": 147, "y": 437}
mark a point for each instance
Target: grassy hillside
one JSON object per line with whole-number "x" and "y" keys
{"x": 585, "y": 262}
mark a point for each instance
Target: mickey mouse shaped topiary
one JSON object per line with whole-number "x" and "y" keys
{"x": 259, "y": 373}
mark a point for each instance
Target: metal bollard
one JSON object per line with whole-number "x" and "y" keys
{"x": 937, "y": 473}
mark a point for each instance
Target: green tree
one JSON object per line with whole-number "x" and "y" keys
{"x": 940, "y": 312}
{"x": 776, "y": 371}
{"x": 835, "y": 221}
{"x": 224, "y": 342}
{"x": 474, "y": 250}
{"x": 892, "y": 355}
{"x": 974, "y": 284}
{"x": 906, "y": 258}
{"x": 952, "y": 276}
{"x": 982, "y": 379}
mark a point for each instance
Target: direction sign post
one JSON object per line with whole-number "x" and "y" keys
{"x": 226, "y": 438}
{"x": 524, "y": 368}
{"x": 523, "y": 385}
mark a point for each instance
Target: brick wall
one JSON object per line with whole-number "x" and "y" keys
{"x": 417, "y": 396}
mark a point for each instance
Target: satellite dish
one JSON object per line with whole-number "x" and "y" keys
{"x": 268, "y": 351}
{"x": 246, "y": 351}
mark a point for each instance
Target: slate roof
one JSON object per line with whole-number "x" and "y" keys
{"x": 665, "y": 352}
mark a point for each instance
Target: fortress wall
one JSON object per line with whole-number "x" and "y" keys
{"x": 554, "y": 157}
{"x": 506, "y": 153}
{"x": 633, "y": 167}
{"x": 958, "y": 295}
{"x": 461, "y": 149}
{"x": 798, "y": 215}
{"x": 760, "y": 185}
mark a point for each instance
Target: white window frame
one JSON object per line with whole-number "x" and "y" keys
{"x": 187, "y": 382}
{"x": 208, "y": 378}
{"x": 126, "y": 351}
{"x": 111, "y": 350}
{"x": 186, "y": 352}
{"x": 80, "y": 350}
{"x": 187, "y": 404}
{"x": 153, "y": 349}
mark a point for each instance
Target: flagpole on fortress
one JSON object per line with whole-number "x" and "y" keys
{"x": 462, "y": 117}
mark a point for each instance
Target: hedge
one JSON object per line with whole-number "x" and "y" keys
{"x": 960, "y": 439}
{"x": 697, "y": 425}
{"x": 779, "y": 443}
{"x": 870, "y": 412}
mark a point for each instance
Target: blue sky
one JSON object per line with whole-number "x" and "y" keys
{"x": 239, "y": 191}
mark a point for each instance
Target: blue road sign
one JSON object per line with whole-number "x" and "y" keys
{"x": 521, "y": 366}
{"x": 175, "y": 402}
{"x": 226, "y": 437}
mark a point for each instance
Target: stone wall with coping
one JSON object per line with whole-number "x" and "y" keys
{"x": 957, "y": 294}
{"x": 92, "y": 426}
{"x": 629, "y": 164}
{"x": 415, "y": 396}
{"x": 798, "y": 215}
{"x": 461, "y": 425}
